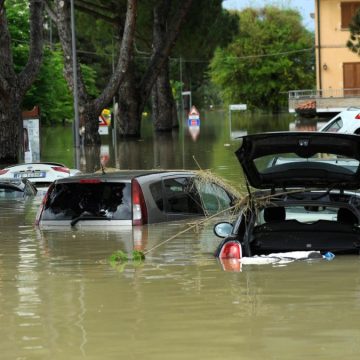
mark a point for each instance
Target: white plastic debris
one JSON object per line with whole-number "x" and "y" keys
{"x": 281, "y": 258}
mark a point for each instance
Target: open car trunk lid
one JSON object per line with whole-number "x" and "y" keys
{"x": 312, "y": 159}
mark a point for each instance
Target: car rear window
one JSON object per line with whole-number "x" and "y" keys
{"x": 104, "y": 200}
{"x": 273, "y": 163}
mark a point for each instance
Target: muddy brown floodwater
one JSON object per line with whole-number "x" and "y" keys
{"x": 60, "y": 298}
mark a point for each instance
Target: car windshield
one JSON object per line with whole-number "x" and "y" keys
{"x": 278, "y": 162}
{"x": 97, "y": 200}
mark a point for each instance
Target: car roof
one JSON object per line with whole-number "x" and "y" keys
{"x": 123, "y": 175}
{"x": 35, "y": 164}
{"x": 305, "y": 173}
{"x": 350, "y": 116}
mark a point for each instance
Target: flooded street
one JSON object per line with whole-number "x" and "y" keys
{"x": 61, "y": 298}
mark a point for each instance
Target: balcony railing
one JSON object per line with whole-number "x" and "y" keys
{"x": 326, "y": 100}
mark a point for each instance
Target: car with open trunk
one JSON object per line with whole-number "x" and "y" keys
{"x": 303, "y": 195}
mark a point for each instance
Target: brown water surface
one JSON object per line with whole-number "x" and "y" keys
{"x": 61, "y": 298}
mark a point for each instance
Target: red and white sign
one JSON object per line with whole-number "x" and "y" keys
{"x": 103, "y": 126}
{"x": 194, "y": 123}
{"x": 194, "y": 113}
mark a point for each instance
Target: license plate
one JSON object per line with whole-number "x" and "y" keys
{"x": 30, "y": 174}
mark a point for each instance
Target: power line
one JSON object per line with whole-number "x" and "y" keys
{"x": 269, "y": 55}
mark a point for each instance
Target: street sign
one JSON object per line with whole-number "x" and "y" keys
{"x": 237, "y": 107}
{"x": 194, "y": 113}
{"x": 104, "y": 120}
{"x": 194, "y": 122}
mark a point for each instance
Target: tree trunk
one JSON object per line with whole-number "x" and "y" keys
{"x": 91, "y": 122}
{"x": 135, "y": 94}
{"x": 14, "y": 85}
{"x": 162, "y": 89}
{"x": 90, "y": 109}
{"x": 11, "y": 147}
{"x": 129, "y": 115}
{"x": 163, "y": 117}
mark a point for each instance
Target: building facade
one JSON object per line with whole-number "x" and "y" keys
{"x": 337, "y": 67}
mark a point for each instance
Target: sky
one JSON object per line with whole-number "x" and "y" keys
{"x": 305, "y": 7}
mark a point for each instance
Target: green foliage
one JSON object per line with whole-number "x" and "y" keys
{"x": 50, "y": 91}
{"x": 118, "y": 256}
{"x": 138, "y": 256}
{"x": 18, "y": 22}
{"x": 266, "y": 59}
{"x": 119, "y": 259}
{"x": 207, "y": 26}
{"x": 354, "y": 42}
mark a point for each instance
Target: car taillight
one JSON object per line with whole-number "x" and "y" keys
{"x": 357, "y": 117}
{"x": 3, "y": 171}
{"x": 42, "y": 205}
{"x": 231, "y": 250}
{"x": 138, "y": 204}
{"x": 61, "y": 169}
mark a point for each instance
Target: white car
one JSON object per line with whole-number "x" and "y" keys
{"x": 347, "y": 122}
{"x": 41, "y": 174}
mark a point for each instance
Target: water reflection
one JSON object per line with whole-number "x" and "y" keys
{"x": 306, "y": 124}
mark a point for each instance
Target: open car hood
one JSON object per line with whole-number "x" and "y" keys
{"x": 301, "y": 159}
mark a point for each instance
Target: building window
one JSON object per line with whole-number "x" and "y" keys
{"x": 348, "y": 10}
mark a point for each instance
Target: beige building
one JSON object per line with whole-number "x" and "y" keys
{"x": 337, "y": 68}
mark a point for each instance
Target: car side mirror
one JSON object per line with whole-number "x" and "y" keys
{"x": 223, "y": 229}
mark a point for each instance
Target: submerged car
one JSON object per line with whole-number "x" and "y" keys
{"x": 16, "y": 188}
{"x": 133, "y": 197}
{"x": 308, "y": 202}
{"x": 42, "y": 174}
{"x": 347, "y": 122}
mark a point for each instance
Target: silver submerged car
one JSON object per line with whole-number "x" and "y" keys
{"x": 133, "y": 197}
{"x": 16, "y": 188}
{"x": 306, "y": 201}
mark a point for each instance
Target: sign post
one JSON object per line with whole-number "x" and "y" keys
{"x": 235, "y": 107}
{"x": 187, "y": 93}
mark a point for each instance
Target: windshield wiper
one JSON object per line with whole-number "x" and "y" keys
{"x": 87, "y": 217}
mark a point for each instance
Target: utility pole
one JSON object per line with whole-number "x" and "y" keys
{"x": 76, "y": 102}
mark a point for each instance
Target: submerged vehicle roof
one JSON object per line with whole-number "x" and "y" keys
{"x": 116, "y": 174}
{"x": 313, "y": 160}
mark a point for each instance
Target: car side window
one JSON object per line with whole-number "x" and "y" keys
{"x": 157, "y": 194}
{"x": 181, "y": 196}
{"x": 335, "y": 125}
{"x": 213, "y": 196}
